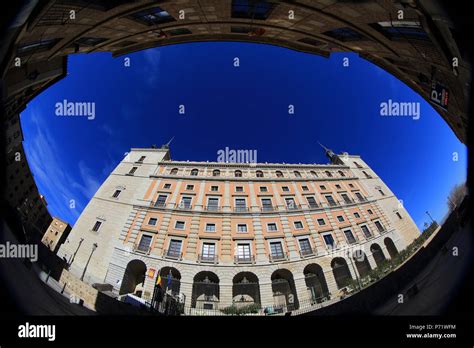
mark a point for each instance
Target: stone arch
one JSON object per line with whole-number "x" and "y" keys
{"x": 245, "y": 289}
{"x": 391, "y": 248}
{"x": 316, "y": 282}
{"x": 341, "y": 272}
{"x": 134, "y": 275}
{"x": 205, "y": 293}
{"x": 284, "y": 290}
{"x": 377, "y": 254}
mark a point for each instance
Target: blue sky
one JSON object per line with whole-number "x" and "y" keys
{"x": 243, "y": 107}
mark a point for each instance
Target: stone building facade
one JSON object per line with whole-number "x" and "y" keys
{"x": 230, "y": 233}
{"x": 56, "y": 234}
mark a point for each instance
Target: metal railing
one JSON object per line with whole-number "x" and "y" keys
{"x": 158, "y": 204}
{"x": 268, "y": 208}
{"x": 244, "y": 259}
{"x": 293, "y": 207}
{"x": 136, "y": 248}
{"x": 307, "y": 252}
{"x": 207, "y": 258}
{"x": 183, "y": 206}
{"x": 172, "y": 255}
{"x": 278, "y": 257}
{"x": 241, "y": 209}
{"x": 212, "y": 208}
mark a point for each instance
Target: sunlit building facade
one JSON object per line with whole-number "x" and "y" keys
{"x": 223, "y": 234}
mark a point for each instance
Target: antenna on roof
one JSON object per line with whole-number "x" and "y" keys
{"x": 167, "y": 145}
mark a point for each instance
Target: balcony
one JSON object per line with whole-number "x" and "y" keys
{"x": 307, "y": 252}
{"x": 241, "y": 209}
{"x": 239, "y": 259}
{"x": 293, "y": 207}
{"x": 207, "y": 259}
{"x": 159, "y": 204}
{"x": 183, "y": 206}
{"x": 382, "y": 231}
{"x": 362, "y": 199}
{"x": 212, "y": 208}
{"x": 278, "y": 257}
{"x": 313, "y": 206}
{"x": 172, "y": 255}
{"x": 267, "y": 208}
{"x": 333, "y": 203}
{"x": 143, "y": 250}
{"x": 348, "y": 201}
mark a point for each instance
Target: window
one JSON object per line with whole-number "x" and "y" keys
{"x": 174, "y": 249}
{"x": 141, "y": 159}
{"x": 340, "y": 218}
{"x": 161, "y": 201}
{"x": 238, "y": 173}
{"x": 312, "y": 202}
{"x": 167, "y": 186}
{"x": 357, "y": 215}
{"x": 152, "y": 221}
{"x": 185, "y": 202}
{"x": 174, "y": 171}
{"x": 310, "y": 41}
{"x": 145, "y": 243}
{"x": 180, "y": 31}
{"x": 243, "y": 252}
{"x": 96, "y": 226}
{"x": 401, "y": 30}
{"x": 251, "y": 9}
{"x": 329, "y": 240}
{"x": 208, "y": 251}
{"x": 349, "y": 237}
{"x": 279, "y": 174}
{"x": 240, "y": 30}
{"x": 370, "y": 211}
{"x": 194, "y": 172}
{"x": 116, "y": 193}
{"x": 267, "y": 204}
{"x": 366, "y": 175}
{"x": 30, "y": 48}
{"x": 152, "y": 16}
{"x": 214, "y": 188}
{"x": 346, "y": 198}
{"x": 399, "y": 215}
{"x": 259, "y": 174}
{"x": 322, "y": 187}
{"x": 298, "y": 225}
{"x": 242, "y": 228}
{"x": 351, "y": 185}
{"x": 216, "y": 172}
{"x": 210, "y": 227}
{"x": 338, "y": 186}
{"x": 366, "y": 231}
{"x": 290, "y": 203}
{"x": 305, "y": 188}
{"x": 359, "y": 197}
{"x": 239, "y": 189}
{"x": 90, "y": 41}
{"x": 240, "y": 204}
{"x": 213, "y": 204}
{"x": 381, "y": 193}
{"x": 285, "y": 189}
{"x": 271, "y": 227}
{"x": 330, "y": 200}
{"x": 263, "y": 189}
{"x": 321, "y": 222}
{"x": 179, "y": 225}
{"x": 314, "y": 174}
{"x": 189, "y": 187}
{"x": 305, "y": 246}
{"x": 344, "y": 34}
{"x": 341, "y": 173}
{"x": 328, "y": 174}
{"x": 379, "y": 226}
{"x": 297, "y": 174}
{"x": 133, "y": 170}
{"x": 276, "y": 250}
{"x": 357, "y": 165}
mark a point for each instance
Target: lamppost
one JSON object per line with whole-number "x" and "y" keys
{"x": 74, "y": 255}
{"x": 431, "y": 217}
{"x": 94, "y": 246}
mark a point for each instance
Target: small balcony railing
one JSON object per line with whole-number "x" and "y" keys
{"x": 239, "y": 259}
{"x": 279, "y": 257}
{"x": 268, "y": 208}
{"x": 183, "y": 206}
{"x": 307, "y": 252}
{"x": 207, "y": 259}
{"x": 159, "y": 204}
{"x": 241, "y": 209}
{"x": 143, "y": 250}
{"x": 333, "y": 203}
{"x": 348, "y": 201}
{"x": 172, "y": 255}
{"x": 362, "y": 199}
{"x": 383, "y": 231}
{"x": 212, "y": 208}
{"x": 313, "y": 205}
{"x": 293, "y": 207}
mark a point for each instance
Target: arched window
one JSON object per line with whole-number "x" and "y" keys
{"x": 194, "y": 172}
{"x": 279, "y": 174}
{"x": 313, "y": 173}
{"x": 341, "y": 173}
{"x": 328, "y": 173}
{"x": 238, "y": 173}
{"x": 259, "y": 174}
{"x": 174, "y": 171}
{"x": 216, "y": 172}
{"x": 297, "y": 174}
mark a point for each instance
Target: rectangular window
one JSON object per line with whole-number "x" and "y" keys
{"x": 349, "y": 237}
{"x": 359, "y": 197}
{"x": 240, "y": 204}
{"x": 338, "y": 186}
{"x": 351, "y": 185}
{"x": 152, "y": 221}
{"x": 189, "y": 187}
{"x": 267, "y": 204}
{"x": 214, "y": 188}
{"x": 329, "y": 240}
{"x": 251, "y": 9}
{"x": 179, "y": 225}
{"x": 321, "y": 222}
{"x": 346, "y": 198}
{"x": 305, "y": 188}
{"x": 213, "y": 204}
{"x": 271, "y": 227}
{"x": 185, "y": 203}
{"x": 312, "y": 202}
{"x": 340, "y": 218}
{"x": 116, "y": 193}
{"x": 239, "y": 189}
{"x": 32, "y": 47}
{"x": 276, "y": 250}
{"x": 381, "y": 193}
{"x": 330, "y": 200}
{"x": 285, "y": 189}
{"x": 242, "y": 228}
{"x": 210, "y": 227}
{"x": 174, "y": 249}
{"x": 370, "y": 211}
{"x": 133, "y": 170}
{"x": 161, "y": 201}
{"x": 399, "y": 215}
{"x": 298, "y": 224}
{"x": 305, "y": 246}
{"x": 145, "y": 243}
{"x": 379, "y": 226}
{"x": 344, "y": 34}
{"x": 322, "y": 187}
{"x": 141, "y": 159}
{"x": 357, "y": 215}
{"x": 243, "y": 252}
{"x": 96, "y": 226}
{"x": 167, "y": 186}
{"x": 152, "y": 16}
{"x": 263, "y": 189}
{"x": 290, "y": 203}
{"x": 401, "y": 30}
{"x": 366, "y": 231}
{"x": 208, "y": 251}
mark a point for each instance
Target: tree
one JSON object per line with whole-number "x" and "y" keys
{"x": 456, "y": 196}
